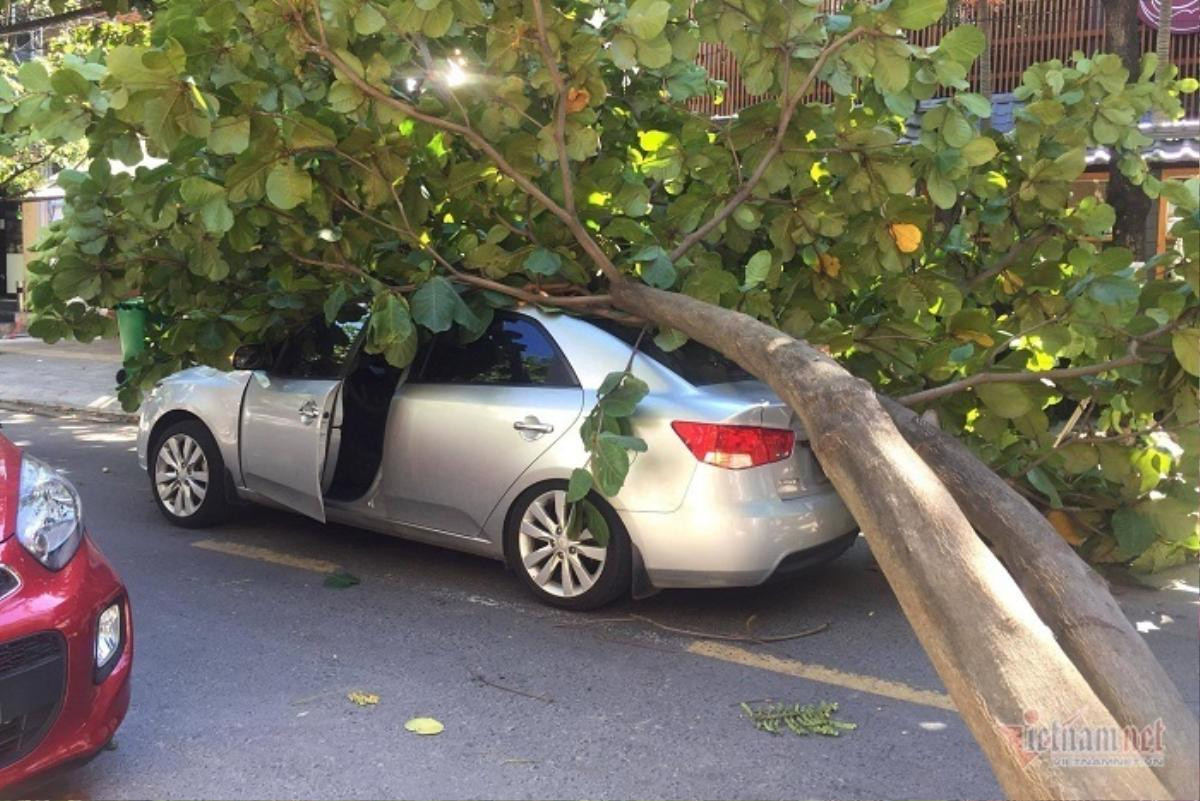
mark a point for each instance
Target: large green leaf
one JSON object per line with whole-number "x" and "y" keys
{"x": 1133, "y": 530}
{"x": 646, "y": 19}
{"x": 229, "y": 135}
{"x": 434, "y": 304}
{"x": 1185, "y": 342}
{"x": 1007, "y": 399}
{"x": 288, "y": 186}
{"x": 610, "y": 465}
{"x": 963, "y": 44}
{"x": 917, "y": 14}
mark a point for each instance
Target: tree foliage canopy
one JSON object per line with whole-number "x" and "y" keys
{"x": 443, "y": 158}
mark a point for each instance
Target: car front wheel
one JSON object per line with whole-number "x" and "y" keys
{"x": 186, "y": 472}
{"x": 571, "y": 570}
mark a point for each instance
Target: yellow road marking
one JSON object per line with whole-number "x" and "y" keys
{"x": 267, "y": 555}
{"x": 825, "y": 675}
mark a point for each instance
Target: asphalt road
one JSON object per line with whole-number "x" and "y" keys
{"x": 244, "y": 661}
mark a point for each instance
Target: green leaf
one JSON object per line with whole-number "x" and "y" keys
{"x": 980, "y": 150}
{"x": 596, "y": 524}
{"x": 1008, "y": 399}
{"x": 654, "y": 53}
{"x": 758, "y": 268}
{"x": 302, "y": 132}
{"x": 1134, "y": 531}
{"x": 622, "y": 400}
{"x": 196, "y": 191}
{"x": 368, "y": 20}
{"x": 660, "y": 272}
{"x": 623, "y": 51}
{"x": 288, "y": 186}
{"x": 1185, "y": 342}
{"x": 434, "y": 304}
{"x": 957, "y": 131}
{"x": 579, "y": 485}
{"x": 917, "y": 14}
{"x": 33, "y": 76}
{"x": 891, "y": 65}
{"x": 424, "y": 726}
{"x": 1174, "y": 519}
{"x": 977, "y": 104}
{"x": 334, "y": 303}
{"x": 340, "y": 580}
{"x": 646, "y": 19}
{"x": 543, "y": 262}
{"x": 625, "y": 441}
{"x": 610, "y": 465}
{"x": 942, "y": 191}
{"x": 963, "y": 44}
{"x": 1042, "y": 483}
{"x": 216, "y": 216}
{"x": 229, "y": 135}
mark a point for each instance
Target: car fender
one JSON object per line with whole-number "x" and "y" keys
{"x": 213, "y": 396}
{"x": 658, "y": 478}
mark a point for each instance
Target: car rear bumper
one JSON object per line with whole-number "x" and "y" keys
{"x": 739, "y": 544}
{"x": 55, "y": 707}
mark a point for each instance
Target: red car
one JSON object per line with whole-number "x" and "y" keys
{"x": 66, "y": 639}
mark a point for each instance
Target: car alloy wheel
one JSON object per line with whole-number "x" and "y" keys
{"x": 558, "y": 564}
{"x": 181, "y": 475}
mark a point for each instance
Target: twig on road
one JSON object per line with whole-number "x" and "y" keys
{"x": 479, "y": 677}
{"x": 749, "y": 636}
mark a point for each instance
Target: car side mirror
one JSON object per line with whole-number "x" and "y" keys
{"x": 251, "y": 357}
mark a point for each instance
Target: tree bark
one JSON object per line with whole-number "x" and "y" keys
{"x": 1123, "y": 37}
{"x": 987, "y": 644}
{"x": 1068, "y": 596}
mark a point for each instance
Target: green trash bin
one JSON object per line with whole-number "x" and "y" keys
{"x": 131, "y": 325}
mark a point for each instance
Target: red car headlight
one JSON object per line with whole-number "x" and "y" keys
{"x": 49, "y": 515}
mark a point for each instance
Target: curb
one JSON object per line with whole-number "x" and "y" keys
{"x": 59, "y": 410}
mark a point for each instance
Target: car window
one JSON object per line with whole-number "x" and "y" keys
{"x": 321, "y": 350}
{"x": 514, "y": 351}
{"x": 695, "y": 363}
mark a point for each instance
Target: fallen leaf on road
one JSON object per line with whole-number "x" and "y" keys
{"x": 340, "y": 581}
{"x": 363, "y": 699}
{"x": 425, "y": 726}
{"x": 802, "y": 719}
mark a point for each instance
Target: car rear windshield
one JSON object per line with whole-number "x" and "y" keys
{"x": 693, "y": 362}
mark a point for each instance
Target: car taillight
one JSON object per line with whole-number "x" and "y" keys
{"x": 735, "y": 447}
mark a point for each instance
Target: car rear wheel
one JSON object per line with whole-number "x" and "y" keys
{"x": 560, "y": 570}
{"x": 186, "y": 476}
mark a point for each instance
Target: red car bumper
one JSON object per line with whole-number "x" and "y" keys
{"x": 55, "y": 705}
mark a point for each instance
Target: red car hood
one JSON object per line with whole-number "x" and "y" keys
{"x": 10, "y": 485}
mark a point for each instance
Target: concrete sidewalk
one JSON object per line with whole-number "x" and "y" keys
{"x": 64, "y": 376}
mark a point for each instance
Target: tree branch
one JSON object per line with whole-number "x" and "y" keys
{"x": 560, "y": 107}
{"x": 51, "y": 21}
{"x": 785, "y": 118}
{"x": 1004, "y": 262}
{"x": 17, "y": 173}
{"x": 1061, "y": 373}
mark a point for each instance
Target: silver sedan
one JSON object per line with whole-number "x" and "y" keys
{"x": 470, "y": 447}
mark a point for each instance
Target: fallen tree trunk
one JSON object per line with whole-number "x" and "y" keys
{"x": 998, "y": 660}
{"x": 1069, "y": 596}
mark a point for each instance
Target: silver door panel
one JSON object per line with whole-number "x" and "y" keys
{"x": 452, "y": 451}
{"x": 284, "y": 439}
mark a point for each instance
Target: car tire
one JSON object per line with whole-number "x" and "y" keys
{"x": 538, "y": 554}
{"x": 193, "y": 497}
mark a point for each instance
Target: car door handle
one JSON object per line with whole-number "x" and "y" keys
{"x": 533, "y": 426}
{"x": 308, "y": 411}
